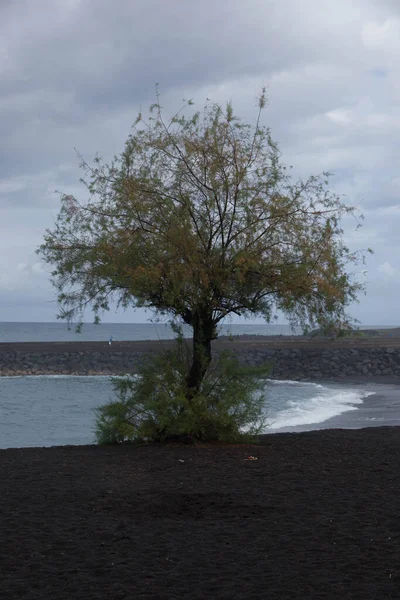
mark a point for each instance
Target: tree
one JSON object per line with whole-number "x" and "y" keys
{"x": 198, "y": 219}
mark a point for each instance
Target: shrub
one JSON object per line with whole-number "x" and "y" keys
{"x": 154, "y": 405}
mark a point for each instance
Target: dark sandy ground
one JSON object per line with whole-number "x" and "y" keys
{"x": 317, "y": 515}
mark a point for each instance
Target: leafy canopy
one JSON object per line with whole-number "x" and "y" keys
{"x": 197, "y": 216}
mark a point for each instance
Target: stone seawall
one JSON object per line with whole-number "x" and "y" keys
{"x": 290, "y": 359}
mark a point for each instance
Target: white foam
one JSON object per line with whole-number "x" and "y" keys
{"x": 291, "y": 382}
{"x": 318, "y": 408}
{"x": 37, "y": 377}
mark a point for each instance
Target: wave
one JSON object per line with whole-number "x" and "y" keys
{"x": 36, "y": 377}
{"x": 317, "y": 408}
{"x": 291, "y": 382}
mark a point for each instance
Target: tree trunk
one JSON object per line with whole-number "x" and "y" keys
{"x": 203, "y": 334}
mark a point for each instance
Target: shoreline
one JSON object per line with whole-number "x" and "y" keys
{"x": 390, "y": 380}
{"x": 380, "y": 408}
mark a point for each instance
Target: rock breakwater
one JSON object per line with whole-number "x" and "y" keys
{"x": 289, "y": 359}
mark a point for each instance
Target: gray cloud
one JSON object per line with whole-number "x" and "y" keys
{"x": 75, "y": 73}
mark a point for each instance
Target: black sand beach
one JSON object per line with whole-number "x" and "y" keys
{"x": 315, "y": 516}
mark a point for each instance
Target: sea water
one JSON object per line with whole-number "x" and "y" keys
{"x": 55, "y": 410}
{"x": 59, "y": 331}
{"x": 296, "y": 403}
{"x": 59, "y": 410}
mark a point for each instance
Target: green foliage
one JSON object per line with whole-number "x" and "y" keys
{"x": 154, "y": 406}
{"x": 198, "y": 220}
{"x": 198, "y": 215}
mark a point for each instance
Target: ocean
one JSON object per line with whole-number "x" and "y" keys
{"x": 59, "y": 332}
{"x": 59, "y": 410}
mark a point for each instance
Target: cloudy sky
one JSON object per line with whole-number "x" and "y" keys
{"x": 74, "y": 73}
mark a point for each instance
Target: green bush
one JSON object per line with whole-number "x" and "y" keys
{"x": 153, "y": 406}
